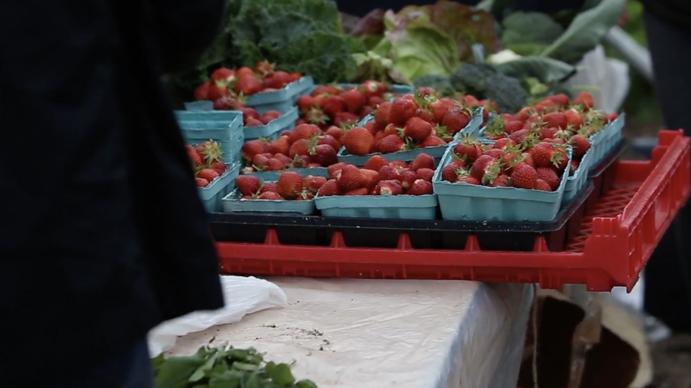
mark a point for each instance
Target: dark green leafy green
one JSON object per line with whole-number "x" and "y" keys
{"x": 484, "y": 81}
{"x": 542, "y": 68}
{"x": 529, "y": 33}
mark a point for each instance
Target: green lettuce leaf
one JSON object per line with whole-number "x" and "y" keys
{"x": 529, "y": 33}
{"x": 544, "y": 69}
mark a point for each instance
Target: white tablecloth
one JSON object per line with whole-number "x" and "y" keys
{"x": 387, "y": 333}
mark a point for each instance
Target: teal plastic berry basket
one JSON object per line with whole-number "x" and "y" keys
{"x": 461, "y": 201}
{"x": 281, "y": 100}
{"x": 413, "y": 207}
{"x": 232, "y": 203}
{"x": 212, "y": 194}
{"x": 273, "y": 175}
{"x": 225, "y": 127}
{"x": 282, "y": 123}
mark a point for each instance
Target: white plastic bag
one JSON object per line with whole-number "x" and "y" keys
{"x": 606, "y": 78}
{"x": 243, "y": 295}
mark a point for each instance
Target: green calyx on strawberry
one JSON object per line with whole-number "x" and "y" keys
{"x": 211, "y": 152}
{"x": 492, "y": 171}
{"x": 316, "y": 115}
{"x": 495, "y": 128}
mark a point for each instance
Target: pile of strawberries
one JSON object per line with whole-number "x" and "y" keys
{"x": 207, "y": 162}
{"x": 331, "y": 105}
{"x": 290, "y": 186}
{"x": 413, "y": 121}
{"x": 381, "y": 177}
{"x": 304, "y": 146}
{"x": 228, "y": 87}
{"x": 556, "y": 120}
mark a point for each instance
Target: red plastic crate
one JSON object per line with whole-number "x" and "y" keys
{"x": 625, "y": 219}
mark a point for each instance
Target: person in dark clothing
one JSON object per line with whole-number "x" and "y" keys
{"x": 668, "y": 273}
{"x": 103, "y": 234}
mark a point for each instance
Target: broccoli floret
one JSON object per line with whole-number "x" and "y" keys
{"x": 506, "y": 91}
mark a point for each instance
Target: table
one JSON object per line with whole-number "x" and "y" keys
{"x": 387, "y": 333}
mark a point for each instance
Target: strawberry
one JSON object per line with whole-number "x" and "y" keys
{"x": 334, "y": 170}
{"x": 542, "y": 185}
{"x": 304, "y": 131}
{"x": 208, "y": 174}
{"x": 470, "y": 100}
{"x": 372, "y": 88}
{"x": 354, "y": 100}
{"x": 468, "y": 149}
{"x": 252, "y": 122}
{"x": 260, "y": 161}
{"x": 420, "y": 187}
{"x": 559, "y": 99}
{"x": 305, "y": 102}
{"x": 389, "y": 172}
{"x": 480, "y": 166}
{"x": 548, "y": 175}
{"x": 524, "y": 176}
{"x": 574, "y": 166}
{"x": 335, "y": 132}
{"x": 453, "y": 170}
{"x": 402, "y": 109}
{"x": 333, "y": 105}
{"x": 391, "y": 143}
{"x": 376, "y": 162}
{"x": 433, "y": 141}
{"x": 612, "y": 116}
{"x": 555, "y": 119}
{"x": 280, "y": 146}
{"x": 268, "y": 186}
{"x": 202, "y": 91}
{"x": 425, "y": 173}
{"x": 193, "y": 155}
{"x": 247, "y": 184}
{"x": 519, "y": 136}
{"x": 417, "y": 129}
{"x": 284, "y": 158}
{"x": 313, "y": 183}
{"x": 512, "y": 126}
{"x": 215, "y": 92}
{"x": 371, "y": 177}
{"x": 495, "y": 153}
{"x": 289, "y": 185}
{"x": 223, "y": 76}
{"x": 201, "y": 182}
{"x": 329, "y": 188}
{"x": 342, "y": 119}
{"x": 422, "y": 161}
{"x": 560, "y": 158}
{"x": 382, "y": 114}
{"x": 541, "y": 155}
{"x": 455, "y": 120}
{"x": 326, "y": 89}
{"x": 425, "y": 114}
{"x": 300, "y": 147}
{"x": 249, "y": 112}
{"x": 580, "y": 145}
{"x": 391, "y": 129}
{"x": 219, "y": 167}
{"x": 360, "y": 191}
{"x": 249, "y": 84}
{"x": 502, "y": 180}
{"x": 277, "y": 80}
{"x": 388, "y": 187}
{"x": 528, "y": 159}
{"x": 329, "y": 140}
{"x": 573, "y": 118}
{"x": 548, "y": 133}
{"x": 270, "y": 196}
{"x": 325, "y": 155}
{"x": 440, "y": 107}
{"x": 254, "y": 147}
{"x": 469, "y": 179}
{"x": 407, "y": 178}
{"x": 585, "y": 100}
{"x": 274, "y": 164}
{"x": 351, "y": 178}
{"x": 503, "y": 142}
{"x": 358, "y": 141}
{"x": 270, "y": 116}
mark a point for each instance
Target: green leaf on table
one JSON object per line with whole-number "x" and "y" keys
{"x": 211, "y": 355}
{"x": 543, "y": 68}
{"x": 176, "y": 371}
{"x": 585, "y": 31}
{"x": 280, "y": 373}
{"x": 305, "y": 384}
{"x": 529, "y": 33}
{"x": 228, "y": 379}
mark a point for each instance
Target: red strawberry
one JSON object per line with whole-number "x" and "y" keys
{"x": 358, "y": 141}
{"x": 381, "y": 116}
{"x": 573, "y": 118}
{"x": 328, "y": 189}
{"x": 215, "y": 92}
{"x": 502, "y": 180}
{"x": 342, "y": 119}
{"x": 277, "y": 80}
{"x": 218, "y": 166}
{"x": 274, "y": 164}
{"x": 440, "y": 107}
{"x": 470, "y": 100}
{"x": 451, "y": 171}
{"x": 270, "y": 196}
{"x": 468, "y": 149}
{"x": 542, "y": 185}
{"x": 373, "y": 102}
{"x": 325, "y": 155}
{"x": 524, "y": 176}
{"x": 425, "y": 114}
{"x": 528, "y": 159}
{"x": 407, "y": 178}
{"x": 420, "y": 187}
{"x": 360, "y": 191}
{"x": 289, "y": 185}
{"x": 548, "y": 175}
{"x": 503, "y": 142}
{"x": 376, "y": 162}
{"x": 305, "y": 102}
{"x": 249, "y": 112}
{"x": 252, "y": 122}
{"x": 335, "y": 132}
{"x": 469, "y": 179}
{"x": 329, "y": 140}
{"x": 548, "y": 132}
{"x": 373, "y": 88}
{"x": 580, "y": 145}
{"x": 283, "y": 158}
{"x": 247, "y": 184}
{"x": 304, "y": 131}
{"x": 391, "y": 129}
{"x": 389, "y": 172}
{"x": 208, "y": 174}
{"x": 512, "y": 126}
{"x": 269, "y": 186}
{"x": 248, "y": 85}
{"x": 254, "y": 147}
{"x": 202, "y": 91}
{"x": 280, "y": 146}
{"x": 417, "y": 129}
{"x": 194, "y": 155}
{"x": 333, "y": 105}
{"x": 223, "y": 74}
{"x": 334, "y": 170}
{"x": 201, "y": 182}
{"x": 560, "y": 99}
{"x": 270, "y": 116}
{"x": 519, "y": 136}
{"x": 388, "y": 187}
{"x": 612, "y": 116}
{"x": 351, "y": 178}
{"x": 326, "y": 89}
{"x": 354, "y": 100}
{"x": 541, "y": 155}
{"x": 433, "y": 141}
{"x": 371, "y": 177}
{"x": 422, "y": 160}
{"x": 480, "y": 166}
{"x": 455, "y": 120}
{"x": 391, "y": 143}
{"x": 300, "y": 147}
{"x": 425, "y": 173}
{"x": 402, "y": 109}
{"x": 555, "y": 119}
{"x": 584, "y": 99}
{"x": 313, "y": 183}
{"x": 260, "y": 161}
{"x": 495, "y": 153}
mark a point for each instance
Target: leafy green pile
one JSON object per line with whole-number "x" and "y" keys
{"x": 224, "y": 368}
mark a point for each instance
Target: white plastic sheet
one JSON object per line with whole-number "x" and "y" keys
{"x": 243, "y": 295}
{"x": 388, "y": 333}
{"x": 606, "y": 78}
